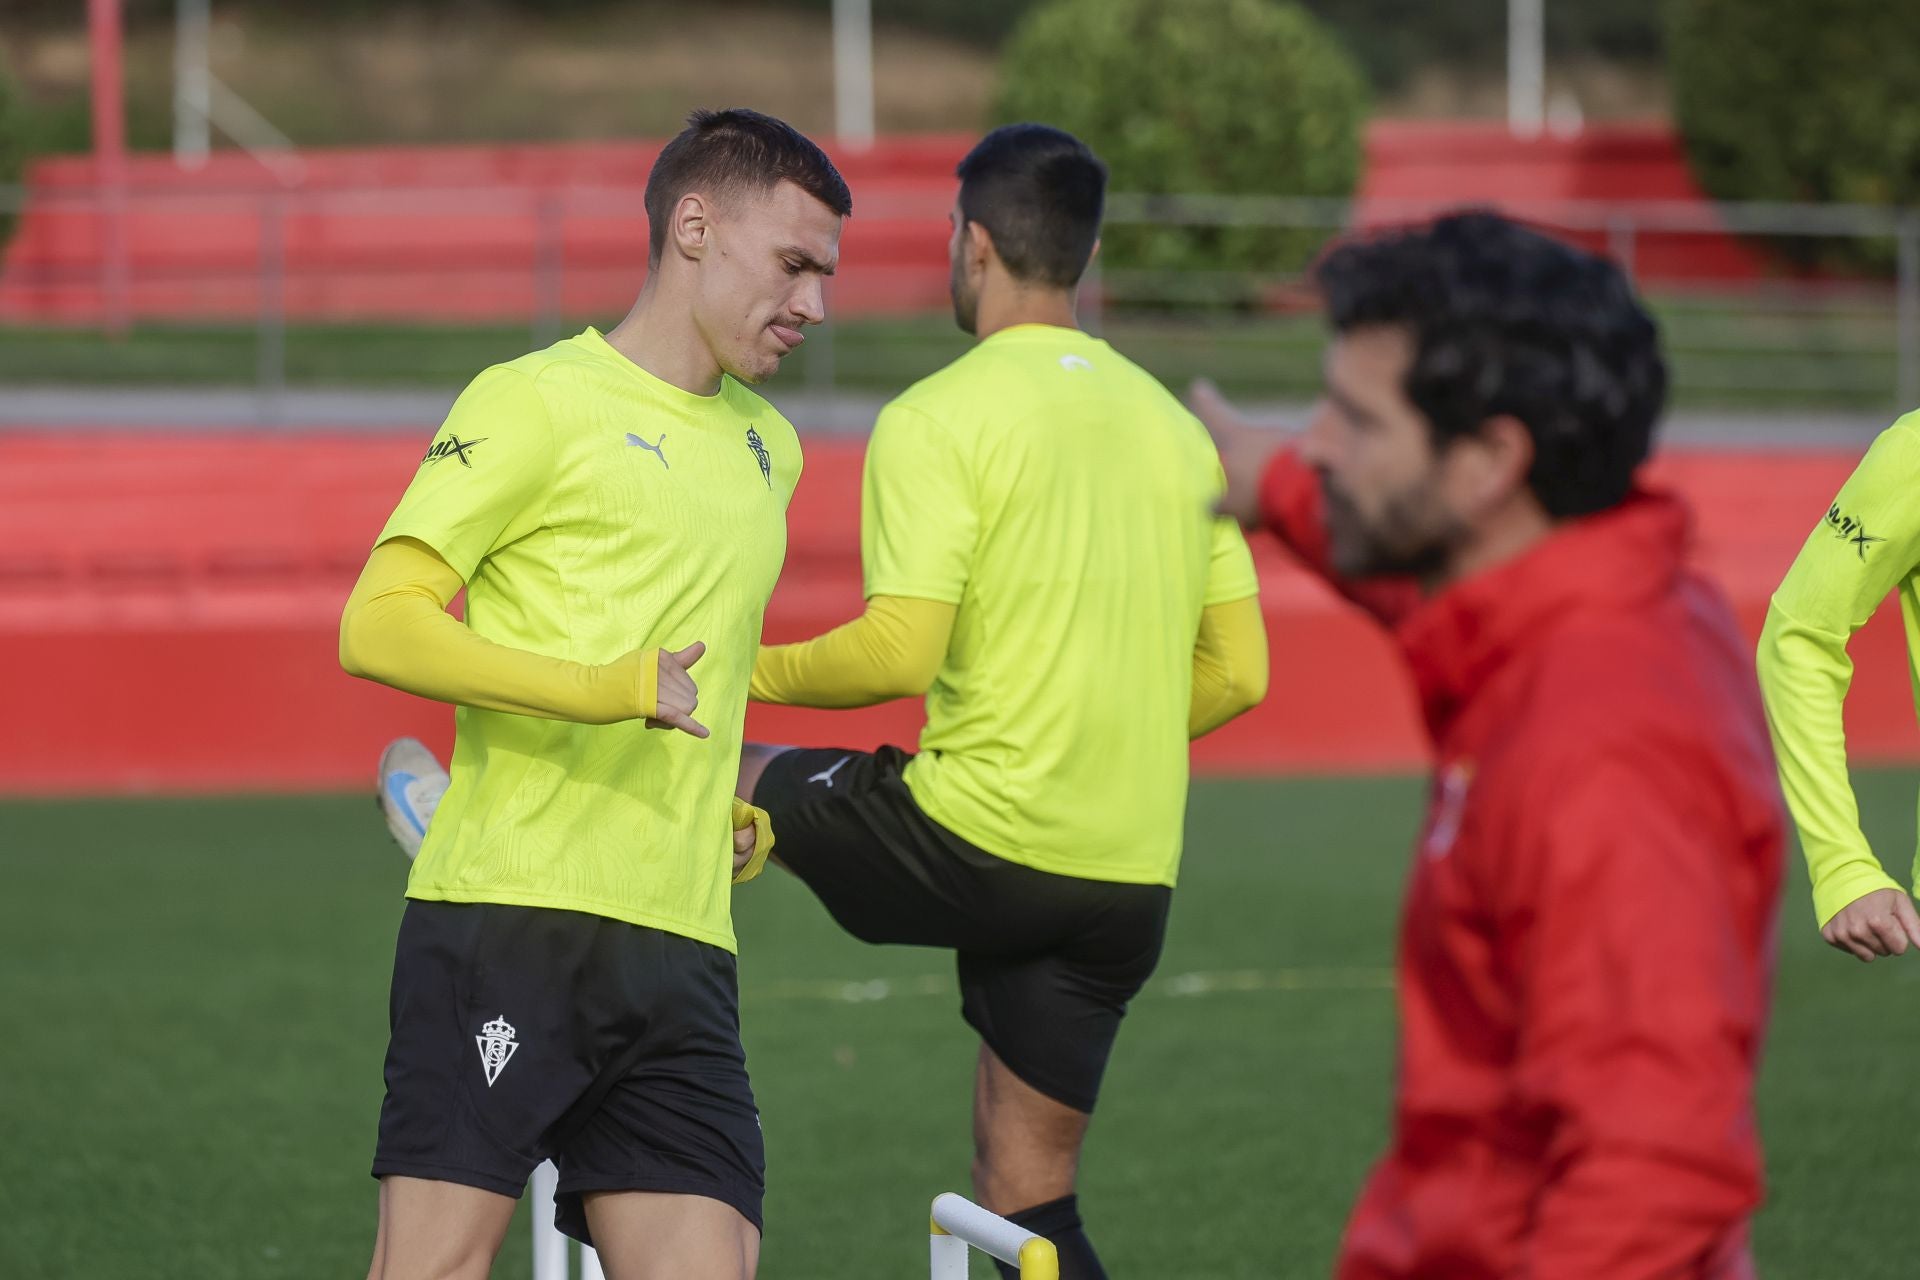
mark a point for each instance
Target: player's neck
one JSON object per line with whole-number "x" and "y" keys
{"x": 1003, "y": 308}
{"x": 659, "y": 336}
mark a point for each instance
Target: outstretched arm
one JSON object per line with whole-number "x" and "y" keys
{"x": 396, "y": 630}
{"x": 893, "y": 650}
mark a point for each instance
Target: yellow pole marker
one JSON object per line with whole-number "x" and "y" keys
{"x": 1039, "y": 1260}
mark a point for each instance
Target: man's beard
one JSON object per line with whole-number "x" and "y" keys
{"x": 1414, "y": 535}
{"x": 966, "y": 306}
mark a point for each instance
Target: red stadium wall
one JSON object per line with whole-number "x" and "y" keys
{"x": 168, "y": 609}
{"x": 455, "y": 233}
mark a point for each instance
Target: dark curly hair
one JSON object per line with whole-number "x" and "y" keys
{"x": 1505, "y": 320}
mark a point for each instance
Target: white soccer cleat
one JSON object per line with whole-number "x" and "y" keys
{"x": 410, "y": 786}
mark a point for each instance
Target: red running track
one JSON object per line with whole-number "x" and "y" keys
{"x": 168, "y": 610}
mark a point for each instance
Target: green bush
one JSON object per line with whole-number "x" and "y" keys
{"x": 1784, "y": 100}
{"x": 1234, "y": 97}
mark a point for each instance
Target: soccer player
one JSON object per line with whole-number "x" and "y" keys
{"x": 1867, "y": 545}
{"x": 564, "y": 980}
{"x": 1587, "y": 942}
{"x": 1042, "y": 560}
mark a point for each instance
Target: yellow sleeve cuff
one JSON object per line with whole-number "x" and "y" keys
{"x": 746, "y": 815}
{"x": 1839, "y": 886}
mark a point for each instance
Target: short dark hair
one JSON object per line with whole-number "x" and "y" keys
{"x": 736, "y": 150}
{"x": 1505, "y": 320}
{"x": 1039, "y": 192}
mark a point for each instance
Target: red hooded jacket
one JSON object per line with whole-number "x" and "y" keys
{"x": 1587, "y": 947}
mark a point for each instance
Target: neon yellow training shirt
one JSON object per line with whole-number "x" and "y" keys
{"x": 1062, "y": 500}
{"x": 1867, "y": 545}
{"x": 592, "y": 510}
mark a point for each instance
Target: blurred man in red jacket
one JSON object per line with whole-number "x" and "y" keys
{"x": 1587, "y": 946}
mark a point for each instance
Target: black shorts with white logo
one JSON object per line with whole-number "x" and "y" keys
{"x": 521, "y": 1034}
{"x": 1048, "y": 963}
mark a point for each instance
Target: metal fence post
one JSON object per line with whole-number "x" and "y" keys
{"x": 270, "y": 337}
{"x": 549, "y": 271}
{"x": 1622, "y": 242}
{"x": 1907, "y": 311}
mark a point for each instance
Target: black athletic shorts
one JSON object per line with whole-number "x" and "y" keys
{"x": 521, "y": 1034}
{"x": 1047, "y": 962}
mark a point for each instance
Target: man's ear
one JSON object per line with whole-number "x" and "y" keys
{"x": 690, "y": 232}
{"x": 1492, "y": 464}
{"x": 980, "y": 250}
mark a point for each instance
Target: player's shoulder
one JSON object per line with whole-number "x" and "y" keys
{"x": 755, "y": 409}
{"x": 554, "y": 371}
{"x": 1671, "y": 672}
{"x": 538, "y": 375}
{"x": 1899, "y": 445}
{"x": 1138, "y": 388}
{"x": 503, "y": 401}
{"x": 950, "y": 390}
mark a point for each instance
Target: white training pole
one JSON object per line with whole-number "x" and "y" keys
{"x": 549, "y": 1246}
{"x": 1526, "y": 67}
{"x": 552, "y": 1251}
{"x": 853, "y": 72}
{"x": 957, "y": 1218}
{"x": 949, "y": 1256}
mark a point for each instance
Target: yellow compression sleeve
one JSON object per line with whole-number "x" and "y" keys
{"x": 746, "y": 815}
{"x": 893, "y": 650}
{"x": 396, "y": 630}
{"x": 1229, "y": 664}
{"x": 1868, "y": 544}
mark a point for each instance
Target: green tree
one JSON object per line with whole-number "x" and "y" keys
{"x": 1204, "y": 97}
{"x": 1782, "y": 100}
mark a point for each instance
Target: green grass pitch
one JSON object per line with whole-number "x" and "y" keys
{"x": 193, "y": 995}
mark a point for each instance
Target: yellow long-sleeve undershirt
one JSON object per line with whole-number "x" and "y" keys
{"x": 396, "y": 630}
{"x": 895, "y": 648}
{"x": 1229, "y": 665}
{"x": 1867, "y": 545}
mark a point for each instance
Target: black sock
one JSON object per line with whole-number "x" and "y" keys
{"x": 1059, "y": 1221}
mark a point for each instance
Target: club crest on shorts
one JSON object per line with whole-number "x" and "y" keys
{"x": 497, "y": 1047}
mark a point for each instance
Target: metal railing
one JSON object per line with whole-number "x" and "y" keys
{"x": 298, "y": 289}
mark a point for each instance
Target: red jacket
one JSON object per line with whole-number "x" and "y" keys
{"x": 1587, "y": 947}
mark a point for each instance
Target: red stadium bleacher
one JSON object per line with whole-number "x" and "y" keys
{"x": 428, "y": 233}
{"x": 1475, "y": 162}
{"x": 168, "y": 612}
